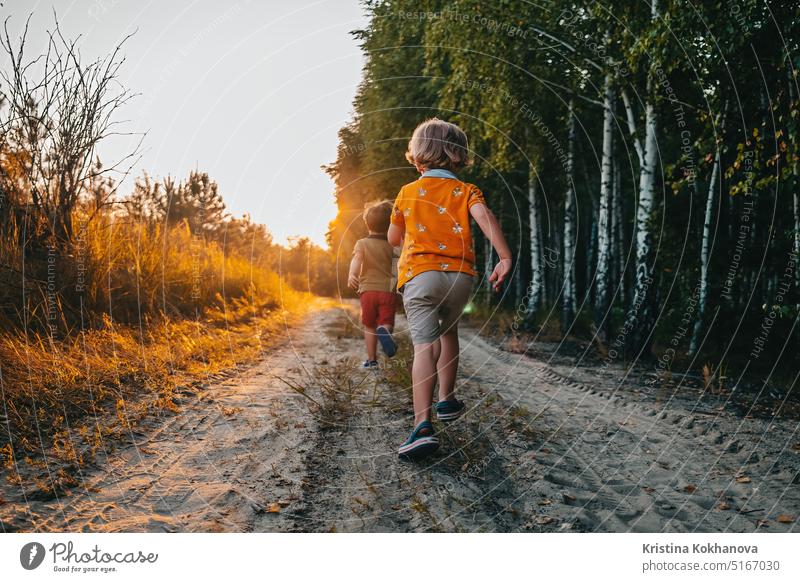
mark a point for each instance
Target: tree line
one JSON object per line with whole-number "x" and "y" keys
{"x": 81, "y": 246}
{"x": 643, "y": 158}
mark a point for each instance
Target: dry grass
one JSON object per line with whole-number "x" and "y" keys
{"x": 331, "y": 391}
{"x": 194, "y": 310}
{"x": 335, "y": 390}
{"x": 64, "y": 401}
{"x": 142, "y": 268}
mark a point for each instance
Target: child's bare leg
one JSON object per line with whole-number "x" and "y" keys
{"x": 371, "y": 342}
{"x": 423, "y": 377}
{"x": 447, "y": 366}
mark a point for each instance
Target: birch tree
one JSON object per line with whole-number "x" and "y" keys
{"x": 537, "y": 267}
{"x": 617, "y": 230}
{"x": 640, "y": 318}
{"x": 569, "y": 300}
{"x": 603, "y": 220}
{"x": 714, "y": 186}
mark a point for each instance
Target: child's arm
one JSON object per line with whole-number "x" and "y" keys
{"x": 490, "y": 226}
{"x": 395, "y": 235}
{"x": 354, "y": 276}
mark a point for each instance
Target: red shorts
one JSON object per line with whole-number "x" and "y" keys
{"x": 377, "y": 308}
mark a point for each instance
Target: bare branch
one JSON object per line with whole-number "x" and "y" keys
{"x": 59, "y": 109}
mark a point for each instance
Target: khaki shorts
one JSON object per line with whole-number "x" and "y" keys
{"x": 434, "y": 301}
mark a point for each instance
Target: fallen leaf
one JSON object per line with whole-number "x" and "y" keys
{"x": 743, "y": 479}
{"x": 784, "y": 518}
{"x": 690, "y": 488}
{"x": 762, "y": 523}
{"x": 464, "y": 467}
{"x": 273, "y": 508}
{"x": 648, "y": 489}
{"x": 723, "y": 506}
{"x": 545, "y": 502}
{"x": 544, "y": 519}
{"x": 283, "y": 503}
{"x": 568, "y": 496}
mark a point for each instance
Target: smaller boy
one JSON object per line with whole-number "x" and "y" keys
{"x": 371, "y": 275}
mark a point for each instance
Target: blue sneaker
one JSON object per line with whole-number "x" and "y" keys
{"x": 418, "y": 446}
{"x": 370, "y": 364}
{"x": 449, "y": 410}
{"x": 387, "y": 341}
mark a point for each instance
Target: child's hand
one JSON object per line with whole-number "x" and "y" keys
{"x": 500, "y": 273}
{"x": 352, "y": 282}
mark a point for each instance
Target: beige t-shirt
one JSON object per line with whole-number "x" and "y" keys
{"x": 376, "y": 270}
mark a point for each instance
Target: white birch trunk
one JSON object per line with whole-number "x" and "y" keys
{"x": 603, "y": 219}
{"x": 591, "y": 251}
{"x": 569, "y": 304}
{"x": 702, "y": 298}
{"x": 640, "y": 316}
{"x": 537, "y": 279}
{"x": 796, "y": 198}
{"x": 795, "y": 187}
{"x": 618, "y": 230}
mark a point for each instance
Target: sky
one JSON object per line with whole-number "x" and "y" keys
{"x": 252, "y": 92}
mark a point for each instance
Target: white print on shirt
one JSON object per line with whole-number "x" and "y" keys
{"x": 422, "y": 192}
{"x": 457, "y": 191}
{"x": 457, "y": 228}
{"x": 421, "y": 227}
{"x": 441, "y": 209}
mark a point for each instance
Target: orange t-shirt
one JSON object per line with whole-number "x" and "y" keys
{"x": 434, "y": 211}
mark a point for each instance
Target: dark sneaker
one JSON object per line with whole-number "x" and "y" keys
{"x": 370, "y": 364}
{"x": 418, "y": 446}
{"x": 449, "y": 410}
{"x": 386, "y": 340}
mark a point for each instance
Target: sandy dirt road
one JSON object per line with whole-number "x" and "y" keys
{"x": 306, "y": 441}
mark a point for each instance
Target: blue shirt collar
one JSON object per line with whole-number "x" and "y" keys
{"x": 439, "y": 173}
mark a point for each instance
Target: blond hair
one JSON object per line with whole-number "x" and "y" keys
{"x": 438, "y": 144}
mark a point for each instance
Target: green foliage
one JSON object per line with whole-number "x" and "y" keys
{"x": 506, "y": 70}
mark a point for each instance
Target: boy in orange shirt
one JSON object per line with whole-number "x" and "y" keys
{"x": 371, "y": 275}
{"x": 431, "y": 220}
